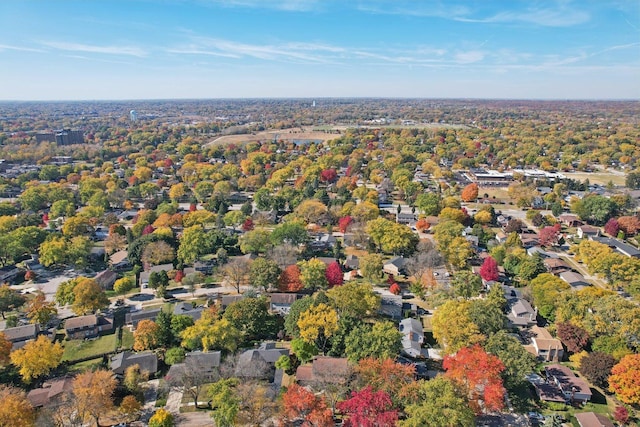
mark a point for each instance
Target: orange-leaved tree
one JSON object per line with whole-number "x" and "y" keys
{"x": 299, "y": 404}
{"x": 625, "y": 379}
{"x": 470, "y": 192}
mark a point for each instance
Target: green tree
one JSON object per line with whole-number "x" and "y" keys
{"x": 252, "y": 317}
{"x": 291, "y": 319}
{"x": 53, "y": 251}
{"x": 255, "y": 241}
{"x": 174, "y": 355}
{"x": 224, "y": 402}
{"x": 371, "y": 267}
{"x": 303, "y": 350}
{"x": 466, "y": 284}
{"x": 192, "y": 244}
{"x": 429, "y": 204}
{"x": 382, "y": 340}
{"x": 487, "y": 316}
{"x": 354, "y": 299}
{"x": 291, "y": 232}
{"x": 518, "y": 362}
{"x": 9, "y": 300}
{"x": 441, "y": 404}
{"x": 547, "y": 290}
{"x": 264, "y": 273}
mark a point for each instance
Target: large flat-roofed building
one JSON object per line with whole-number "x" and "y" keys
{"x": 489, "y": 177}
{"x": 62, "y": 137}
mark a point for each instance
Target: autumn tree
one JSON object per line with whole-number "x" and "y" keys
{"x": 546, "y": 290}
{"x": 612, "y": 227}
{"x": 344, "y": 223}
{"x": 37, "y": 358}
{"x": 334, "y": 274}
{"x": 368, "y": 408}
{"x": 5, "y": 349}
{"x": 440, "y": 403}
{"x": 289, "y": 280}
{"x": 297, "y": 308}
{"x": 124, "y": 284}
{"x": 573, "y": 337}
{"x": 211, "y": 333}
{"x": 159, "y": 252}
{"x": 354, "y": 299}
{"x": 130, "y": 407}
{"x": 301, "y": 405}
{"x": 453, "y": 328}
{"x": 371, "y": 267}
{"x": 318, "y": 324}
{"x": 161, "y": 418}
{"x": 479, "y": 374}
{"x": 146, "y": 335}
{"x": 9, "y": 300}
{"x": 394, "y": 378}
{"x": 624, "y": 380}
{"x": 312, "y": 274}
{"x": 192, "y": 244}
{"x": 469, "y": 193}
{"x": 15, "y": 408}
{"x": 391, "y": 237}
{"x": 236, "y": 272}
{"x": 93, "y": 392}
{"x": 548, "y": 236}
{"x": 596, "y": 367}
{"x": 629, "y": 224}
{"x": 489, "y": 269}
{"x": 88, "y": 297}
{"x": 39, "y": 310}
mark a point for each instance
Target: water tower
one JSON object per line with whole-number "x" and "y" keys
{"x": 133, "y": 116}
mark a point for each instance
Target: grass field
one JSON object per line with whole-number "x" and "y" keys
{"x": 601, "y": 177}
{"x": 80, "y": 349}
{"x": 86, "y": 365}
{"x": 127, "y": 339}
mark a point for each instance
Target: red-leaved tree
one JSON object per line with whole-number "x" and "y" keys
{"x": 478, "y": 373}
{"x": 247, "y": 225}
{"x": 629, "y": 224}
{"x": 334, "y": 274}
{"x": 422, "y": 225}
{"x": 289, "y": 280}
{"x": 366, "y": 408}
{"x": 548, "y": 236}
{"x": 489, "y": 269}
{"x": 395, "y": 289}
{"x": 612, "y": 227}
{"x": 301, "y": 405}
{"x": 328, "y": 175}
{"x": 572, "y": 336}
{"x": 344, "y": 223}
{"x": 621, "y": 415}
{"x": 179, "y": 276}
{"x": 148, "y": 229}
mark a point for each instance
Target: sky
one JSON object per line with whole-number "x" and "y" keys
{"x": 164, "y": 49}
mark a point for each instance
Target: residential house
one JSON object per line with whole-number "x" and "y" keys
{"x": 20, "y": 335}
{"x": 521, "y": 313}
{"x": 106, "y": 279}
{"x": 618, "y": 246}
{"x": 227, "y": 300}
{"x": 555, "y": 265}
{"x": 395, "y": 266}
{"x": 183, "y": 308}
{"x": 89, "y": 326}
{"x": 406, "y": 218}
{"x": 260, "y": 362}
{"x": 119, "y": 260}
{"x": 145, "y": 275}
{"x": 390, "y": 305}
{"x": 576, "y": 280}
{"x": 132, "y": 319}
{"x": 570, "y": 220}
{"x": 324, "y": 369}
{"x": 412, "y": 338}
{"x": 281, "y": 302}
{"x": 544, "y": 346}
{"x": 51, "y": 392}
{"x": 11, "y": 274}
{"x": 323, "y": 242}
{"x": 591, "y": 419}
{"x": 587, "y": 231}
{"x": 146, "y": 360}
{"x": 204, "y": 267}
{"x": 537, "y": 250}
{"x": 352, "y": 262}
{"x": 196, "y": 363}
{"x": 562, "y": 385}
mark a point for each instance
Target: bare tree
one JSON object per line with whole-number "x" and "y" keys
{"x": 423, "y": 261}
{"x": 192, "y": 375}
{"x": 236, "y": 272}
{"x": 284, "y": 255}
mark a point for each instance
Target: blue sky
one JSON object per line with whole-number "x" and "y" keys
{"x": 136, "y": 49}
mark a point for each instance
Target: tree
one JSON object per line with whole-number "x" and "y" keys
{"x": 573, "y": 337}
{"x": 159, "y": 252}
{"x": 612, "y": 227}
{"x": 161, "y": 418}
{"x": 354, "y": 299}
{"x": 93, "y": 391}
{"x": 366, "y": 408}
{"x": 192, "y": 244}
{"x": 334, "y": 274}
{"x": 624, "y": 380}
{"x": 428, "y": 204}
{"x": 264, "y": 273}
{"x": 517, "y": 361}
{"x": 621, "y": 415}
{"x": 289, "y": 280}
{"x": 209, "y": 332}
{"x": 470, "y": 192}
{"x": 291, "y": 232}
{"x": 130, "y": 407}
{"x": 629, "y": 224}
{"x": 318, "y": 324}
{"x": 41, "y": 311}
{"x": 546, "y": 290}
{"x": 5, "y": 349}
{"x": 382, "y": 341}
{"x": 146, "y": 335}
{"x": 489, "y": 269}
{"x": 548, "y": 236}
{"x": 466, "y": 284}
{"x": 440, "y": 404}
{"x": 303, "y": 350}
{"x": 479, "y": 374}
{"x": 391, "y": 237}
{"x": 291, "y": 319}
{"x": 299, "y": 404}
{"x": 124, "y": 284}
{"x": 236, "y": 272}
{"x": 596, "y": 367}
{"x": 224, "y": 402}
{"x": 483, "y": 217}
{"x": 487, "y": 316}
{"x": 88, "y": 297}
{"x": 365, "y": 211}
{"x": 344, "y": 223}
{"x": 311, "y": 211}
{"x": 453, "y": 328}
{"x": 312, "y": 274}
{"x": 9, "y": 300}
{"x": 255, "y": 241}
{"x": 371, "y": 267}
{"x": 15, "y": 408}
{"x": 252, "y": 317}
{"x": 595, "y": 209}
{"x": 37, "y": 358}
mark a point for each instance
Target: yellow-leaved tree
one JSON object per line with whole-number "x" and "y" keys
{"x": 93, "y": 392}
{"x": 318, "y": 324}
{"x": 15, "y": 409}
{"x": 37, "y": 358}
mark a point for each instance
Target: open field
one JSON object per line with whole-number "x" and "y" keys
{"x": 79, "y": 349}
{"x": 285, "y": 134}
{"x": 602, "y": 177}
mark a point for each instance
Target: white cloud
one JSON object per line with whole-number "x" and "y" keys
{"x": 18, "y": 48}
{"x": 469, "y": 57}
{"x": 109, "y": 50}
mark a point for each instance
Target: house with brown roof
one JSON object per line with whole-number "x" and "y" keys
{"x": 544, "y": 346}
{"x": 562, "y": 385}
{"x": 324, "y": 369}
{"x": 89, "y": 326}
{"x": 51, "y": 392}
{"x": 106, "y": 279}
{"x": 591, "y": 419}
{"x": 586, "y": 231}
{"x": 575, "y": 280}
{"x": 555, "y": 265}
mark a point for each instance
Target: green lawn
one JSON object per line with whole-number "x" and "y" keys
{"x": 79, "y": 349}
{"x": 86, "y": 365}
{"x": 127, "y": 339}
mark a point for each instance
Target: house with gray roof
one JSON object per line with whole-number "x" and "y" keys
{"x": 147, "y": 361}
{"x": 132, "y": 319}
{"x": 20, "y": 335}
{"x": 89, "y": 326}
{"x": 575, "y": 280}
{"x": 395, "y": 266}
{"x": 196, "y": 363}
{"x": 260, "y": 361}
{"x": 618, "y": 246}
{"x": 280, "y": 303}
{"x": 521, "y": 313}
{"x": 184, "y": 308}
{"x": 412, "y": 338}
